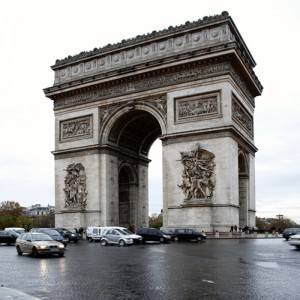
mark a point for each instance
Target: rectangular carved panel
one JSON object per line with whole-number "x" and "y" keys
{"x": 79, "y": 128}
{"x": 241, "y": 116}
{"x": 197, "y": 107}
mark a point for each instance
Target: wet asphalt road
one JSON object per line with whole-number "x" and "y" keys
{"x": 214, "y": 269}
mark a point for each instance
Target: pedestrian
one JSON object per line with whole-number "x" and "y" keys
{"x": 273, "y": 230}
{"x": 235, "y": 228}
{"x": 231, "y": 228}
{"x": 80, "y": 231}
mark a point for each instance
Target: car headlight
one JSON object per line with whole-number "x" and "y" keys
{"x": 43, "y": 247}
{"x": 61, "y": 246}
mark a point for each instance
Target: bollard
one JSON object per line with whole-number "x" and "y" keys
{"x": 217, "y": 235}
{"x": 255, "y": 234}
{"x": 230, "y": 235}
{"x": 266, "y": 234}
{"x": 276, "y": 234}
{"x": 243, "y": 235}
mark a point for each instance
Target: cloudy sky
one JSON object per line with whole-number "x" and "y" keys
{"x": 34, "y": 33}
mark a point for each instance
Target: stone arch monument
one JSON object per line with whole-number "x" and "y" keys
{"x": 193, "y": 87}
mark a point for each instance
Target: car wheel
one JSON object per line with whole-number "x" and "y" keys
{"x": 19, "y": 250}
{"x": 161, "y": 240}
{"x": 176, "y": 239}
{"x": 75, "y": 241}
{"x": 60, "y": 254}
{"x": 35, "y": 253}
{"x": 103, "y": 242}
{"x": 68, "y": 240}
{"x": 122, "y": 243}
{"x": 91, "y": 239}
{"x": 199, "y": 239}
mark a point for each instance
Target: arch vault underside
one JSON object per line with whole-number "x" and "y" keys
{"x": 193, "y": 87}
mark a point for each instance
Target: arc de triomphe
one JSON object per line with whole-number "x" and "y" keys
{"x": 192, "y": 86}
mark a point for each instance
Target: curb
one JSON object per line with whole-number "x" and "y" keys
{"x": 8, "y": 293}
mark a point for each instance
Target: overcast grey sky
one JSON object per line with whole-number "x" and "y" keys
{"x": 34, "y": 33}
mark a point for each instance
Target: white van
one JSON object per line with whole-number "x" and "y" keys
{"x": 95, "y": 233}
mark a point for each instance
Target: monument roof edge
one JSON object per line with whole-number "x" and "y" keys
{"x": 205, "y": 21}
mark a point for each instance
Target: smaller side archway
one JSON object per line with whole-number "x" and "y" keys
{"x": 128, "y": 196}
{"x": 243, "y": 188}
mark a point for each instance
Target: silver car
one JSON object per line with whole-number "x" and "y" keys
{"x": 116, "y": 237}
{"x": 37, "y": 243}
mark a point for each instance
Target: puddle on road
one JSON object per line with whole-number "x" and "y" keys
{"x": 267, "y": 264}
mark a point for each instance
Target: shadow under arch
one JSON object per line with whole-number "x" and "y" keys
{"x": 128, "y": 185}
{"x": 133, "y": 128}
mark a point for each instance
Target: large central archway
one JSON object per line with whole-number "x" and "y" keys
{"x": 194, "y": 88}
{"x": 132, "y": 132}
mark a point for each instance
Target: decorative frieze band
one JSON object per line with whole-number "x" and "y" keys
{"x": 241, "y": 116}
{"x": 201, "y": 106}
{"x": 146, "y": 84}
{"x": 164, "y": 47}
{"x": 76, "y": 128}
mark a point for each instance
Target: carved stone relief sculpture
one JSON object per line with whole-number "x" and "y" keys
{"x": 75, "y": 186}
{"x": 76, "y": 128}
{"x": 241, "y": 116}
{"x": 197, "y": 174}
{"x": 196, "y": 107}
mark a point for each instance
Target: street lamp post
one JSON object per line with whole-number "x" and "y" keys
{"x": 280, "y": 217}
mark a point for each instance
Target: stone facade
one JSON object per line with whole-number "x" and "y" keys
{"x": 193, "y": 86}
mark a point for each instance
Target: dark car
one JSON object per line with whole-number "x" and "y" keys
{"x": 69, "y": 235}
{"x": 187, "y": 235}
{"x": 53, "y": 233}
{"x": 252, "y": 229}
{"x": 8, "y": 237}
{"x": 290, "y": 231}
{"x": 153, "y": 234}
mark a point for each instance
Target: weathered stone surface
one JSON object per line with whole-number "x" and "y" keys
{"x": 192, "y": 86}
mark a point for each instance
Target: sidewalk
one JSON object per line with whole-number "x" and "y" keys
{"x": 8, "y": 293}
{"x": 243, "y": 235}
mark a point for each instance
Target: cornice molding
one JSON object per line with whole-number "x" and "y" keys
{"x": 205, "y": 36}
{"x": 218, "y": 66}
{"x": 213, "y": 133}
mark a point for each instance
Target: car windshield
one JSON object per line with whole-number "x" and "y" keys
{"x": 52, "y": 232}
{"x": 41, "y": 237}
{"x": 122, "y": 231}
{"x": 126, "y": 231}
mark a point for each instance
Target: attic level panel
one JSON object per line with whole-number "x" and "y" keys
{"x": 210, "y": 32}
